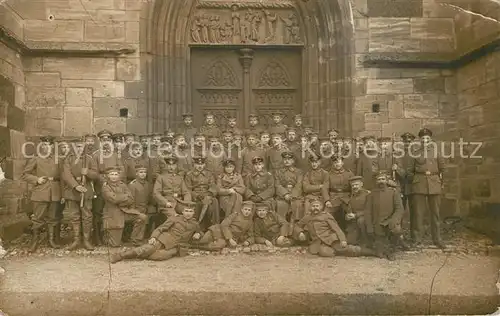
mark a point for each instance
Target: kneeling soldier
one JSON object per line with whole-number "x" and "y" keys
{"x": 78, "y": 172}
{"x": 383, "y": 217}
{"x": 270, "y": 228}
{"x": 118, "y": 203}
{"x": 236, "y": 229}
{"x": 169, "y": 239}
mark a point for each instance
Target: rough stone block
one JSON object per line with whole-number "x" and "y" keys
{"x": 400, "y": 126}
{"x": 135, "y": 89}
{"x": 110, "y": 107}
{"x": 448, "y": 105}
{"x": 32, "y": 63}
{"x": 117, "y": 16}
{"x": 450, "y": 85}
{"x": 101, "y": 4}
{"x": 55, "y": 31}
{"x": 77, "y": 121}
{"x": 390, "y": 86}
{"x": 14, "y": 170}
{"x": 437, "y": 126}
{"x": 376, "y": 118}
{"x": 20, "y": 96}
{"x": 3, "y": 113}
{"x": 395, "y": 8}
{"x": 419, "y": 73}
{"x": 421, "y": 106}
{"x": 46, "y": 121}
{"x": 45, "y": 97}
{"x": 429, "y": 85}
{"x": 133, "y": 5}
{"x": 15, "y": 118}
{"x": 43, "y": 79}
{"x": 137, "y": 125}
{"x": 394, "y": 28}
{"x": 79, "y": 97}
{"x": 132, "y": 32}
{"x": 104, "y": 32}
{"x": 11, "y": 20}
{"x": 4, "y": 141}
{"x": 101, "y": 89}
{"x": 396, "y": 109}
{"x": 82, "y": 68}
{"x": 471, "y": 75}
{"x": 432, "y": 28}
{"x": 127, "y": 69}
{"x": 17, "y": 139}
{"x": 114, "y": 124}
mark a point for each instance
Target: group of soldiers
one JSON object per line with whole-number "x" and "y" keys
{"x": 211, "y": 188}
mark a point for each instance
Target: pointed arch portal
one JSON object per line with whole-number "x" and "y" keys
{"x": 237, "y": 57}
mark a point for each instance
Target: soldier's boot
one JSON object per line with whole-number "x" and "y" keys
{"x": 119, "y": 256}
{"x": 183, "y": 250}
{"x": 87, "y": 244}
{"x": 35, "y": 241}
{"x": 76, "y": 237}
{"x": 402, "y": 243}
{"x": 51, "y": 241}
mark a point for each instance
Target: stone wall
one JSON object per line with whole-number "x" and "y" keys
{"x": 408, "y": 99}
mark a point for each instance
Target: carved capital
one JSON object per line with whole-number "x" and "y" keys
{"x": 246, "y": 58}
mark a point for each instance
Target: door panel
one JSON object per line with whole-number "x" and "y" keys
{"x": 276, "y": 83}
{"x": 216, "y": 84}
{"x": 219, "y": 83}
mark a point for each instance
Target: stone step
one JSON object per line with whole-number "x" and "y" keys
{"x": 250, "y": 284}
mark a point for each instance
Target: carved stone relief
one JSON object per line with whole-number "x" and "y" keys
{"x": 246, "y": 23}
{"x": 273, "y": 75}
{"x": 220, "y": 75}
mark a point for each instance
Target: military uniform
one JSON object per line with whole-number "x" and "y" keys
{"x": 201, "y": 185}
{"x": 383, "y": 218}
{"x": 80, "y": 216}
{"x": 355, "y": 207}
{"x": 339, "y": 191}
{"x": 260, "y": 185}
{"x": 271, "y": 228}
{"x": 424, "y": 174}
{"x": 210, "y": 130}
{"x": 247, "y": 155}
{"x": 142, "y": 193}
{"x": 297, "y": 118}
{"x": 230, "y": 201}
{"x": 315, "y": 184}
{"x": 274, "y": 159}
{"x": 288, "y": 182}
{"x": 131, "y": 162}
{"x": 187, "y": 130}
{"x": 214, "y": 162}
{"x": 170, "y": 240}
{"x": 236, "y": 226}
{"x": 43, "y": 174}
{"x": 405, "y": 183}
{"x": 118, "y": 209}
{"x": 255, "y": 129}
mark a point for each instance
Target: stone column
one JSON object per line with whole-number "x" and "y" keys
{"x": 246, "y": 59}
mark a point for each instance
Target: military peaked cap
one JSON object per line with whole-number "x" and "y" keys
{"x": 140, "y": 167}
{"x": 171, "y": 160}
{"x": 287, "y": 154}
{"x": 408, "y": 136}
{"x": 47, "y": 139}
{"x": 113, "y": 169}
{"x": 356, "y": 178}
{"x": 256, "y": 160}
{"x": 187, "y": 115}
{"x": 199, "y": 160}
{"x": 103, "y": 133}
{"x": 424, "y": 132}
{"x": 228, "y": 162}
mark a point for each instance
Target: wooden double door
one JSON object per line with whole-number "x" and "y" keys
{"x": 240, "y": 81}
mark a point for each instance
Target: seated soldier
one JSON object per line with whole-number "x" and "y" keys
{"x": 235, "y": 229}
{"x": 315, "y": 183}
{"x": 355, "y": 208}
{"x": 142, "y": 193}
{"x": 168, "y": 240}
{"x": 383, "y": 217}
{"x": 230, "y": 188}
{"x": 288, "y": 181}
{"x": 201, "y": 185}
{"x": 118, "y": 209}
{"x": 169, "y": 188}
{"x": 339, "y": 189}
{"x": 270, "y": 228}
{"x": 259, "y": 184}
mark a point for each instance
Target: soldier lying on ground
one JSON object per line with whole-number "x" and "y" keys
{"x": 235, "y": 229}
{"x": 168, "y": 240}
{"x": 325, "y": 237}
{"x": 270, "y": 228}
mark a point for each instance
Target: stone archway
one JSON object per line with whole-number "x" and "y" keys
{"x": 327, "y": 59}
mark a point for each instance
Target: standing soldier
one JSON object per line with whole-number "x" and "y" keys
{"x": 42, "y": 172}
{"x": 169, "y": 188}
{"x": 182, "y": 151}
{"x": 315, "y": 183}
{"x": 274, "y": 154}
{"x": 387, "y": 161}
{"x": 215, "y": 156}
{"x": 230, "y": 188}
{"x": 383, "y": 217}
{"x": 349, "y": 154}
{"x": 142, "y": 194}
{"x": 333, "y": 135}
{"x": 118, "y": 143}
{"x": 265, "y": 140}
{"x": 104, "y": 158}
{"x": 129, "y": 139}
{"x": 79, "y": 170}
{"x": 407, "y": 139}
{"x": 327, "y": 154}
{"x": 339, "y": 189}
{"x": 367, "y": 165}
{"x": 253, "y": 125}
{"x": 201, "y": 185}
{"x": 135, "y": 158}
{"x": 298, "y": 124}
{"x": 302, "y": 153}
{"x": 188, "y": 130}
{"x": 277, "y": 126}
{"x": 231, "y": 125}
{"x": 260, "y": 184}
{"x": 288, "y": 181}
{"x": 118, "y": 209}
{"x": 355, "y": 207}
{"x": 248, "y": 154}
{"x": 292, "y": 141}
{"x": 425, "y": 175}
{"x": 90, "y": 146}
{"x": 63, "y": 150}
{"x": 210, "y": 127}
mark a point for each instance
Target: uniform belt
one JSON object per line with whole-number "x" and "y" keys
{"x": 338, "y": 191}
{"x": 428, "y": 173}
{"x": 53, "y": 178}
{"x": 200, "y": 189}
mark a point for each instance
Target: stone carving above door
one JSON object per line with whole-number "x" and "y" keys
{"x": 220, "y": 74}
{"x": 273, "y": 75}
{"x": 254, "y": 23}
